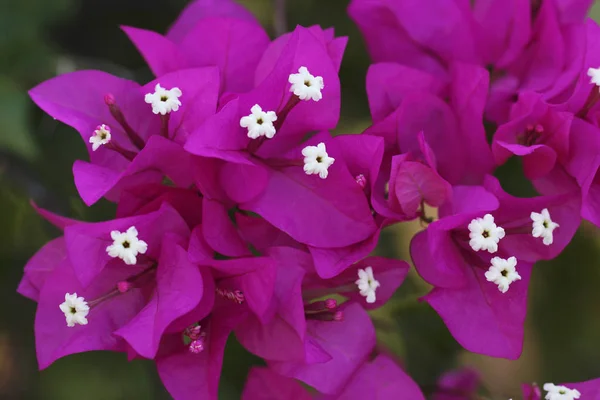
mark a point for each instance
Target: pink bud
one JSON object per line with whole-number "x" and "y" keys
{"x": 124, "y": 286}
{"x": 109, "y": 99}
{"x": 330, "y": 304}
{"x": 338, "y": 316}
{"x": 361, "y": 180}
{"x": 197, "y": 346}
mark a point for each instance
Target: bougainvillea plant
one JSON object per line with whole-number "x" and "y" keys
{"x": 238, "y": 212}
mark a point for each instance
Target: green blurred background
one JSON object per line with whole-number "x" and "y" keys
{"x": 41, "y": 38}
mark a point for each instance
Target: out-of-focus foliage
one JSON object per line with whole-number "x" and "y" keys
{"x": 26, "y": 58}
{"x": 39, "y": 38}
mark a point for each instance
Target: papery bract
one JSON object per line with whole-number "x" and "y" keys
{"x": 86, "y": 99}
{"x": 444, "y": 257}
{"x": 535, "y": 132}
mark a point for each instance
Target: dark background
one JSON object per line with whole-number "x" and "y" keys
{"x": 41, "y": 38}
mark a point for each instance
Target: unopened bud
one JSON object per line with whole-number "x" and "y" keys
{"x": 124, "y": 286}
{"x": 109, "y": 99}
{"x": 197, "y": 346}
{"x": 361, "y": 180}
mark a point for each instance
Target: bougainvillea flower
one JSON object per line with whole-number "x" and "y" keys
{"x": 215, "y": 227}
{"x": 253, "y": 277}
{"x": 143, "y": 147}
{"x": 468, "y": 252}
{"x": 231, "y": 39}
{"x": 335, "y": 47}
{"x": 283, "y": 337}
{"x": 449, "y": 117}
{"x": 550, "y": 63}
{"x": 348, "y": 343}
{"x": 55, "y": 339}
{"x": 87, "y": 243}
{"x": 527, "y": 48}
{"x": 192, "y": 366}
{"x": 299, "y": 339}
{"x": 295, "y": 118}
{"x": 536, "y": 132}
{"x": 331, "y": 209}
{"x": 388, "y": 273}
{"x": 113, "y": 290}
{"x": 161, "y": 307}
{"x": 414, "y": 181}
{"x": 121, "y": 304}
{"x": 192, "y": 369}
{"x": 238, "y": 211}
{"x": 362, "y": 155}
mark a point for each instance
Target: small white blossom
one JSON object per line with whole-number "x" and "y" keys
{"x": 306, "y": 86}
{"x": 543, "y": 226}
{"x": 259, "y": 123}
{"x": 367, "y": 284}
{"x": 559, "y": 392}
{"x": 76, "y": 310}
{"x": 100, "y": 136}
{"x": 484, "y": 234}
{"x": 126, "y": 245}
{"x": 503, "y": 273}
{"x": 164, "y": 101}
{"x": 316, "y": 160}
{"x": 594, "y": 74}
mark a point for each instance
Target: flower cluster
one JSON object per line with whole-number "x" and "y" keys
{"x": 237, "y": 211}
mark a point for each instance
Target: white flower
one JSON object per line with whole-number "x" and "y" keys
{"x": 503, "y": 273}
{"x": 316, "y": 160}
{"x": 126, "y": 245}
{"x": 594, "y": 74}
{"x": 76, "y": 310}
{"x": 559, "y": 392}
{"x": 259, "y": 123}
{"x": 543, "y": 226}
{"x": 484, "y": 234}
{"x": 100, "y": 136}
{"x": 305, "y": 85}
{"x": 367, "y": 284}
{"x": 164, "y": 101}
